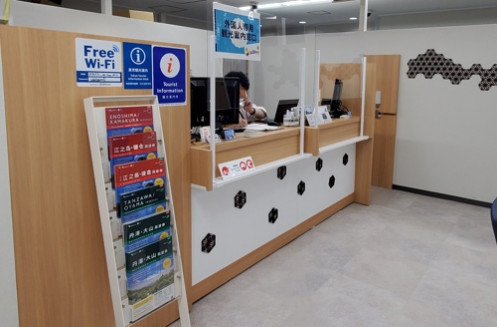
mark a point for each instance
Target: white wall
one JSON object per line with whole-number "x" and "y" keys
{"x": 446, "y": 134}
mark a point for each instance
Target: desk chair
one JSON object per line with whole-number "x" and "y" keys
{"x": 493, "y": 215}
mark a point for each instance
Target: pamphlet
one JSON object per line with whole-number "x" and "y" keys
{"x": 146, "y": 231}
{"x": 131, "y": 147}
{"x": 142, "y": 202}
{"x": 129, "y": 120}
{"x": 150, "y": 277}
{"x": 135, "y": 176}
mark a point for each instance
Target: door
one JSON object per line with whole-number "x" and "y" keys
{"x": 387, "y": 86}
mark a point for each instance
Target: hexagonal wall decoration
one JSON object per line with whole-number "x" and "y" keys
{"x": 345, "y": 159}
{"x": 301, "y": 188}
{"x": 208, "y": 242}
{"x": 273, "y": 215}
{"x": 281, "y": 173}
{"x": 240, "y": 199}
{"x": 430, "y": 63}
{"x": 319, "y": 164}
{"x": 331, "y": 181}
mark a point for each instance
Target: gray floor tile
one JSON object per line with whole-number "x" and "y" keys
{"x": 405, "y": 260}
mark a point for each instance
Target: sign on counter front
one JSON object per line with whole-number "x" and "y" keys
{"x": 236, "y": 167}
{"x": 237, "y": 33}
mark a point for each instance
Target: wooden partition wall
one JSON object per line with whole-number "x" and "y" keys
{"x": 351, "y": 76}
{"x": 59, "y": 254}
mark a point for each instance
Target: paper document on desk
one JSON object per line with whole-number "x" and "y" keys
{"x": 261, "y": 127}
{"x": 256, "y": 129}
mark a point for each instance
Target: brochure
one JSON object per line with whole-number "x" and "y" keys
{"x": 146, "y": 231}
{"x": 131, "y": 147}
{"x": 128, "y": 120}
{"x": 138, "y": 175}
{"x": 150, "y": 277}
{"x": 140, "y": 203}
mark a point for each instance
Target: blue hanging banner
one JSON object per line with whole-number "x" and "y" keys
{"x": 238, "y": 33}
{"x": 169, "y": 75}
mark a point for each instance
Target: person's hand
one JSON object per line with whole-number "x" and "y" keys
{"x": 242, "y": 122}
{"x": 248, "y": 107}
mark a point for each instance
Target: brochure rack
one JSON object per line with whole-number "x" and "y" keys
{"x": 135, "y": 206}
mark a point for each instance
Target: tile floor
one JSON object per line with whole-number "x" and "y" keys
{"x": 405, "y": 260}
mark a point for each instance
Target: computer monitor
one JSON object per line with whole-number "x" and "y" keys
{"x": 227, "y": 100}
{"x": 337, "y": 95}
{"x": 326, "y": 102}
{"x": 283, "y": 106}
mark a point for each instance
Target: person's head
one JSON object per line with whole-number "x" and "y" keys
{"x": 244, "y": 82}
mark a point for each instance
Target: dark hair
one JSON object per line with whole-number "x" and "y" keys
{"x": 244, "y": 81}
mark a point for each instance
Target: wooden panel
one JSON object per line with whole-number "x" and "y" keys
{"x": 201, "y": 166}
{"x": 350, "y": 74}
{"x": 222, "y": 276}
{"x": 344, "y": 129}
{"x": 384, "y": 150}
{"x": 364, "y": 149}
{"x": 268, "y": 147}
{"x": 387, "y": 80}
{"x": 311, "y": 140}
{"x": 364, "y": 154}
{"x": 176, "y": 126}
{"x": 60, "y": 265}
{"x": 271, "y": 150}
{"x": 330, "y": 133}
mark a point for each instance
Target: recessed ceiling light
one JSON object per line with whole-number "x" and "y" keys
{"x": 353, "y": 18}
{"x": 302, "y": 22}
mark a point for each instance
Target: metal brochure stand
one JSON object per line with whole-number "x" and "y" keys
{"x": 125, "y": 313}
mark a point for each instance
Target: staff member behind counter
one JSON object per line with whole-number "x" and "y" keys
{"x": 248, "y": 110}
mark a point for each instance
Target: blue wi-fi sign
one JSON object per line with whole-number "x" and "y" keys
{"x": 137, "y": 62}
{"x": 98, "y": 63}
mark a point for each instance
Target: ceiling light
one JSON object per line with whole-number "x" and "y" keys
{"x": 353, "y": 18}
{"x": 302, "y": 22}
{"x": 264, "y": 6}
{"x": 286, "y": 4}
{"x": 303, "y": 2}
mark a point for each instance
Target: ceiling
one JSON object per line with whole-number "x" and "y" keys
{"x": 198, "y": 13}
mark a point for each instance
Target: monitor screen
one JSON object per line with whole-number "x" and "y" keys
{"x": 283, "y": 106}
{"x": 227, "y": 100}
{"x": 337, "y": 95}
{"x": 326, "y": 102}
{"x": 337, "y": 91}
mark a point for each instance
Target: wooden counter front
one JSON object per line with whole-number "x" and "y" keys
{"x": 330, "y": 133}
{"x": 267, "y": 147}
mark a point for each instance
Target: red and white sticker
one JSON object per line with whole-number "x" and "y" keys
{"x": 236, "y": 167}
